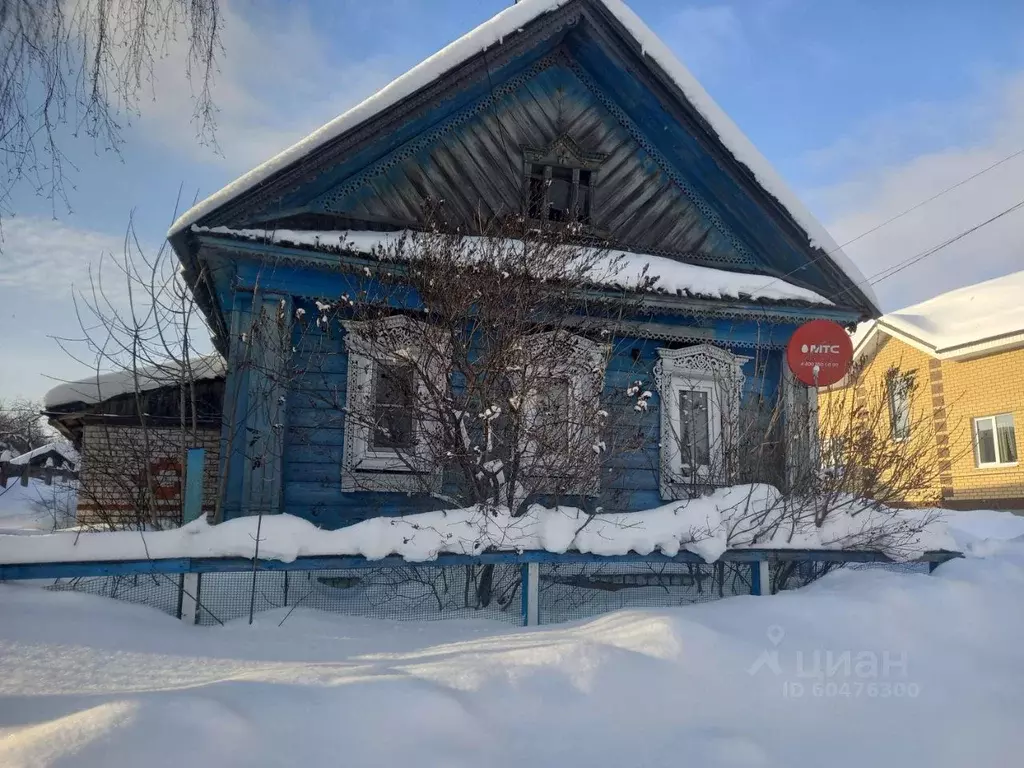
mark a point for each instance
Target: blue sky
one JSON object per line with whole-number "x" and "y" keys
{"x": 866, "y": 108}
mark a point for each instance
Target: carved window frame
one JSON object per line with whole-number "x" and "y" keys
{"x": 562, "y": 153}
{"x": 363, "y": 467}
{"x": 583, "y": 365}
{"x": 704, "y": 368}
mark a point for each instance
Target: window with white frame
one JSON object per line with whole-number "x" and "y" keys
{"x": 385, "y": 445}
{"x": 898, "y": 388}
{"x": 831, "y": 457}
{"x": 700, "y": 389}
{"x": 995, "y": 441}
{"x": 560, "y": 411}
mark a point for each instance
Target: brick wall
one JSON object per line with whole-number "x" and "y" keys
{"x": 952, "y": 393}
{"x": 112, "y": 478}
{"x": 985, "y": 386}
{"x": 869, "y": 394}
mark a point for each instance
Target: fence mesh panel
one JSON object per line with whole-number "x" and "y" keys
{"x": 799, "y": 573}
{"x": 157, "y": 590}
{"x": 578, "y": 591}
{"x": 567, "y": 591}
{"x": 421, "y": 592}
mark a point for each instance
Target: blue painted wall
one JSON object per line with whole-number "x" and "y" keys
{"x": 314, "y": 421}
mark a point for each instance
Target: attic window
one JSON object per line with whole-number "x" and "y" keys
{"x": 559, "y": 193}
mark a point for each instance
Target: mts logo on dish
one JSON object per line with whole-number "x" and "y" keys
{"x": 818, "y": 349}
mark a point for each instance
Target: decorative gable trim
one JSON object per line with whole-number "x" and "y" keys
{"x": 566, "y": 152}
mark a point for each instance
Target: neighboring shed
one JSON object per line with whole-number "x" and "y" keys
{"x": 59, "y": 454}
{"x": 54, "y": 459}
{"x": 132, "y": 430}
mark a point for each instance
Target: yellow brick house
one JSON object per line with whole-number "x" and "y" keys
{"x": 964, "y": 352}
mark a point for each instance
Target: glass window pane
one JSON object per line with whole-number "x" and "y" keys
{"x": 392, "y": 407}
{"x": 584, "y": 178}
{"x": 694, "y": 431}
{"x": 986, "y": 441}
{"x": 1006, "y": 438}
{"x": 561, "y": 174}
{"x": 552, "y": 427}
{"x": 560, "y": 197}
{"x": 899, "y": 407}
{"x": 583, "y": 205}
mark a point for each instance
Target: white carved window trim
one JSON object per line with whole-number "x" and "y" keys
{"x": 704, "y": 368}
{"x": 364, "y": 468}
{"x": 583, "y": 365}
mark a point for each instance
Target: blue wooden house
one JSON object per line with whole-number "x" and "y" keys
{"x": 562, "y": 110}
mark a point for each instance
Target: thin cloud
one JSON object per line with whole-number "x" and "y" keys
{"x": 278, "y": 80}
{"x": 48, "y": 257}
{"x": 985, "y": 130}
{"x": 707, "y": 38}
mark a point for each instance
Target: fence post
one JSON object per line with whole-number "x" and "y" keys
{"x": 193, "y": 506}
{"x": 190, "y": 597}
{"x": 530, "y": 591}
{"x": 760, "y": 578}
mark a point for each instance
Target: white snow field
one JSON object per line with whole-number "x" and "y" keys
{"x": 863, "y": 668}
{"x": 36, "y": 507}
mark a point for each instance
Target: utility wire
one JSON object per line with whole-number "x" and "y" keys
{"x": 900, "y": 215}
{"x": 888, "y": 272}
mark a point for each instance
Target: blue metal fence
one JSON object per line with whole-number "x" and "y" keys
{"x": 523, "y": 588}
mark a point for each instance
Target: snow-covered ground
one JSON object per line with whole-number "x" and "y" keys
{"x": 916, "y": 670}
{"x": 36, "y": 507}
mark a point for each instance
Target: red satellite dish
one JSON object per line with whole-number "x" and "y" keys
{"x": 819, "y": 353}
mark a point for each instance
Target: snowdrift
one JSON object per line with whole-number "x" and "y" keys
{"x": 739, "y": 517}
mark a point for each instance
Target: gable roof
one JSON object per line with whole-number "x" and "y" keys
{"x": 104, "y": 386}
{"x": 492, "y": 34}
{"x": 976, "y": 320}
{"x": 62, "y": 448}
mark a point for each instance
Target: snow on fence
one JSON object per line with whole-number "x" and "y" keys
{"x": 522, "y": 588}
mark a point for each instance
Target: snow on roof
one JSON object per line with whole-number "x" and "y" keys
{"x": 491, "y": 32}
{"x": 63, "y": 447}
{"x": 619, "y": 268}
{"x": 985, "y": 317}
{"x": 106, "y": 385}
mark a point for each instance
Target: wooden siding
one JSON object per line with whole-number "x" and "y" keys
{"x": 313, "y": 443}
{"x": 476, "y": 167}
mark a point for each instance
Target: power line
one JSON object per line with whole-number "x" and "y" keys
{"x": 888, "y": 272}
{"x": 900, "y": 215}
{"x": 933, "y": 197}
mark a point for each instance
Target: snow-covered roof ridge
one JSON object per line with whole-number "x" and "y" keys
{"x": 106, "y": 385}
{"x": 63, "y": 447}
{"x": 977, "y": 319}
{"x": 505, "y": 24}
{"x": 618, "y": 268}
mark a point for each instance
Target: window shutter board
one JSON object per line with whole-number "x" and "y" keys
{"x": 800, "y": 422}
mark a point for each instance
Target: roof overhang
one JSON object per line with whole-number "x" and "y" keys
{"x": 968, "y": 351}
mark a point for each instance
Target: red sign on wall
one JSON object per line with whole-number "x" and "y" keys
{"x": 820, "y": 353}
